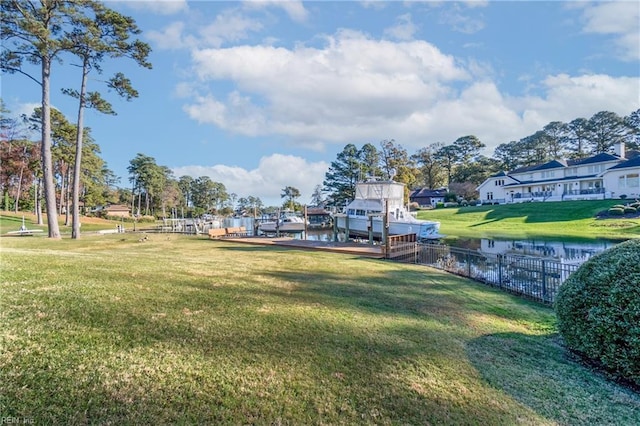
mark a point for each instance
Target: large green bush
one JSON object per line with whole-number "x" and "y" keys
{"x": 616, "y": 211}
{"x": 598, "y": 310}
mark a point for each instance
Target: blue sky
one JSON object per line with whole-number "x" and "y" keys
{"x": 261, "y": 95}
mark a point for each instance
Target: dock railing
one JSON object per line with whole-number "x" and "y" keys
{"x": 535, "y": 278}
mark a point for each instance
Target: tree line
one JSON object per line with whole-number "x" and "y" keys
{"x": 460, "y": 166}
{"x": 38, "y": 35}
{"x": 154, "y": 191}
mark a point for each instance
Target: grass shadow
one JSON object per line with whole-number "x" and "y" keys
{"x": 221, "y": 359}
{"x": 535, "y": 371}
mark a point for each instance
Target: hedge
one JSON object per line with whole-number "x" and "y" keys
{"x": 598, "y": 310}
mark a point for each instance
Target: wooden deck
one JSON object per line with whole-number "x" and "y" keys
{"x": 364, "y": 250}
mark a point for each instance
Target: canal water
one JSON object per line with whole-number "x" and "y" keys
{"x": 568, "y": 251}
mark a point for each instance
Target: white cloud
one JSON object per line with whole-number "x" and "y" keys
{"x": 570, "y": 97}
{"x": 355, "y": 89}
{"x": 26, "y": 108}
{"x": 460, "y": 20}
{"x": 403, "y": 30}
{"x": 294, "y": 8}
{"x": 229, "y": 26}
{"x": 161, "y": 7}
{"x": 476, "y": 3}
{"x": 273, "y": 173}
{"x": 170, "y": 37}
{"x": 620, "y": 19}
{"x": 351, "y": 88}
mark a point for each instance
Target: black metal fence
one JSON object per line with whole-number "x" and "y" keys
{"x": 535, "y": 278}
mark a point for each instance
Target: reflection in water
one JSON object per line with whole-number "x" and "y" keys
{"x": 573, "y": 251}
{"x": 567, "y": 251}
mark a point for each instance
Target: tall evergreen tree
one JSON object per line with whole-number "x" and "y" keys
{"x": 35, "y": 32}
{"x": 290, "y": 194}
{"x": 606, "y": 129}
{"x": 431, "y": 173}
{"x": 342, "y": 176}
{"x": 577, "y": 140}
{"x": 101, "y": 33}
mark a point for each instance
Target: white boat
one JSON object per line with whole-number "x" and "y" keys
{"x": 286, "y": 223}
{"x": 23, "y": 231}
{"x": 374, "y": 199}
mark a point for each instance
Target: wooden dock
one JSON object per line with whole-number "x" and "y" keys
{"x": 365, "y": 250}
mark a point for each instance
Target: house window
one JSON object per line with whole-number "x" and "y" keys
{"x": 596, "y": 168}
{"x": 631, "y": 180}
{"x": 500, "y": 182}
{"x": 572, "y": 171}
{"x": 548, "y": 174}
{"x": 489, "y": 195}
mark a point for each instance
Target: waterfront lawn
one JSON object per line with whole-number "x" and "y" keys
{"x": 551, "y": 219}
{"x": 10, "y": 221}
{"x": 111, "y": 330}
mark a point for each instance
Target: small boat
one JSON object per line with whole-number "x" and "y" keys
{"x": 375, "y": 198}
{"x": 23, "y": 231}
{"x": 286, "y": 223}
{"x": 319, "y": 218}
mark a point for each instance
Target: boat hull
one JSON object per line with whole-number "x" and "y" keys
{"x": 359, "y": 227}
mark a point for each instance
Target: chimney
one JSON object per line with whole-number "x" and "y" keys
{"x": 618, "y": 149}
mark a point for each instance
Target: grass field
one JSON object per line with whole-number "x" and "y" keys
{"x": 10, "y": 221}
{"x": 184, "y": 330}
{"x": 552, "y": 219}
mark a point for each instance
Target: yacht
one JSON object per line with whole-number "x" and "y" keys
{"x": 375, "y": 198}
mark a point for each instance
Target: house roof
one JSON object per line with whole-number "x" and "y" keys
{"x": 598, "y": 158}
{"x": 632, "y": 154}
{"x": 561, "y": 163}
{"x": 499, "y": 174}
{"x": 634, "y": 162}
{"x": 117, "y": 207}
{"x": 425, "y": 192}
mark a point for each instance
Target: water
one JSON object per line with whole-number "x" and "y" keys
{"x": 567, "y": 251}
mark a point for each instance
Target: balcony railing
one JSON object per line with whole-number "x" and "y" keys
{"x": 585, "y": 191}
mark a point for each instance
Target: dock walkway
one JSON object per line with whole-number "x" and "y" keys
{"x": 364, "y": 250}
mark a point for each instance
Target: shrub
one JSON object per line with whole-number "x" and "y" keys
{"x": 623, "y": 196}
{"x": 598, "y": 310}
{"x": 439, "y": 205}
{"x": 616, "y": 211}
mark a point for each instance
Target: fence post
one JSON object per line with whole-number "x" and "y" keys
{"x": 468, "y": 264}
{"x": 500, "y": 270}
{"x": 544, "y": 281}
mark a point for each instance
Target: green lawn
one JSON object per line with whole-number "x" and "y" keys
{"x": 10, "y": 221}
{"x": 550, "y": 219}
{"x": 108, "y": 329}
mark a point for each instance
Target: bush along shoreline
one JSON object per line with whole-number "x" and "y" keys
{"x": 598, "y": 311}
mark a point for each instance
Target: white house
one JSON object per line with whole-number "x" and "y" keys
{"x": 594, "y": 178}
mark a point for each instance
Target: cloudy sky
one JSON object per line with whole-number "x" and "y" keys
{"x": 260, "y": 95}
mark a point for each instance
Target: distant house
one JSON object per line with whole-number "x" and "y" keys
{"x": 598, "y": 177}
{"x": 427, "y": 197}
{"x": 116, "y": 210}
